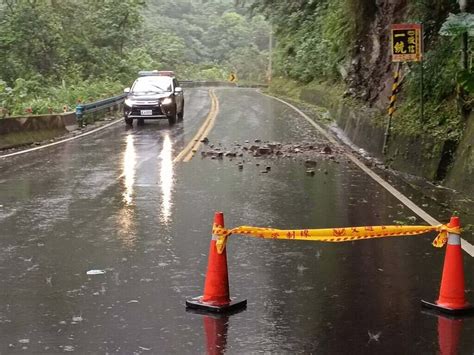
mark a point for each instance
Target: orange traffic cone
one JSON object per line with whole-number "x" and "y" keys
{"x": 216, "y": 287}
{"x": 452, "y": 299}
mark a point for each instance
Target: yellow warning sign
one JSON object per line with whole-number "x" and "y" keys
{"x": 334, "y": 235}
{"x": 232, "y": 77}
{"x": 407, "y": 42}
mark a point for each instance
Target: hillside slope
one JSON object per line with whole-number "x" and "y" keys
{"x": 346, "y": 43}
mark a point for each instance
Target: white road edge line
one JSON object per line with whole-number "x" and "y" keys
{"x": 467, "y": 247}
{"x": 61, "y": 141}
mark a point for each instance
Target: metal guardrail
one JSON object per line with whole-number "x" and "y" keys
{"x": 199, "y": 83}
{"x": 81, "y": 110}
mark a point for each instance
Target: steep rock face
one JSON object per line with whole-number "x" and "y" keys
{"x": 370, "y": 80}
{"x": 369, "y": 76}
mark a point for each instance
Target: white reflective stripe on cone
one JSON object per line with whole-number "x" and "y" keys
{"x": 454, "y": 239}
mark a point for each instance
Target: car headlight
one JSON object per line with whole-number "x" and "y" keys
{"x": 128, "y": 102}
{"x": 166, "y": 101}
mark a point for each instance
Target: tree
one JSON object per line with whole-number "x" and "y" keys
{"x": 29, "y": 40}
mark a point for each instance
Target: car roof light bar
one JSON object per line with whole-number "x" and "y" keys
{"x": 156, "y": 73}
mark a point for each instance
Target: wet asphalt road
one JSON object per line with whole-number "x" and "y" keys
{"x": 115, "y": 202}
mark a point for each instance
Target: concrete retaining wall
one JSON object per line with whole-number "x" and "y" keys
{"x": 416, "y": 155}
{"x": 36, "y": 122}
{"x": 17, "y": 131}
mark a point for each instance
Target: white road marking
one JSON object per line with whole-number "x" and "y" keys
{"x": 61, "y": 141}
{"x": 467, "y": 247}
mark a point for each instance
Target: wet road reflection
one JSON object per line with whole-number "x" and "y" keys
{"x": 166, "y": 178}
{"x": 126, "y": 215}
{"x": 129, "y": 165}
{"x": 216, "y": 328}
{"x": 449, "y": 335}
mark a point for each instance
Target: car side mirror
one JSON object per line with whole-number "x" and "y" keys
{"x": 178, "y": 90}
{"x": 126, "y": 90}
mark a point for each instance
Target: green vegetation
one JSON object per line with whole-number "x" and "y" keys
{"x": 313, "y": 37}
{"x": 342, "y": 41}
{"x": 444, "y": 107}
{"x": 442, "y": 117}
{"x": 54, "y": 53}
{"x": 206, "y": 39}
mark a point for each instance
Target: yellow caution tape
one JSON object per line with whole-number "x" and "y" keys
{"x": 334, "y": 235}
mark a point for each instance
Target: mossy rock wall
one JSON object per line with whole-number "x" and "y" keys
{"x": 415, "y": 155}
{"x": 319, "y": 97}
{"x": 461, "y": 174}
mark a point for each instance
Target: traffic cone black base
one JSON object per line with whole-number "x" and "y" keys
{"x": 215, "y": 315}
{"x": 446, "y": 310}
{"x": 231, "y": 307}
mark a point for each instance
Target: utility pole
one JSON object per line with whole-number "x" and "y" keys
{"x": 270, "y": 55}
{"x": 464, "y": 38}
{"x": 462, "y": 95}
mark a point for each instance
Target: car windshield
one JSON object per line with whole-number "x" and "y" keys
{"x": 152, "y": 84}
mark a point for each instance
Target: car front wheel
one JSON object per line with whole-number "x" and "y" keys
{"x": 181, "y": 113}
{"x": 172, "y": 117}
{"x": 129, "y": 121}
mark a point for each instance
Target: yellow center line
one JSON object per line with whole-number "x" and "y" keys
{"x": 188, "y": 152}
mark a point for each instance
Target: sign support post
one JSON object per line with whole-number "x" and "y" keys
{"x": 406, "y": 46}
{"x": 422, "y": 103}
{"x": 422, "y": 88}
{"x": 391, "y": 107}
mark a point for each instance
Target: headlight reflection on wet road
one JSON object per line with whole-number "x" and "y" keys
{"x": 166, "y": 178}
{"x": 127, "y": 212}
{"x": 128, "y": 173}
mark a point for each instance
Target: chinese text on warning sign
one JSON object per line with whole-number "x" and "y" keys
{"x": 406, "y": 42}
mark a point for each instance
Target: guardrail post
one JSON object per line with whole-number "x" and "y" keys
{"x": 79, "y": 115}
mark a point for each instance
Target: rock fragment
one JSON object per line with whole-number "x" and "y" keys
{"x": 327, "y": 150}
{"x": 264, "y": 150}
